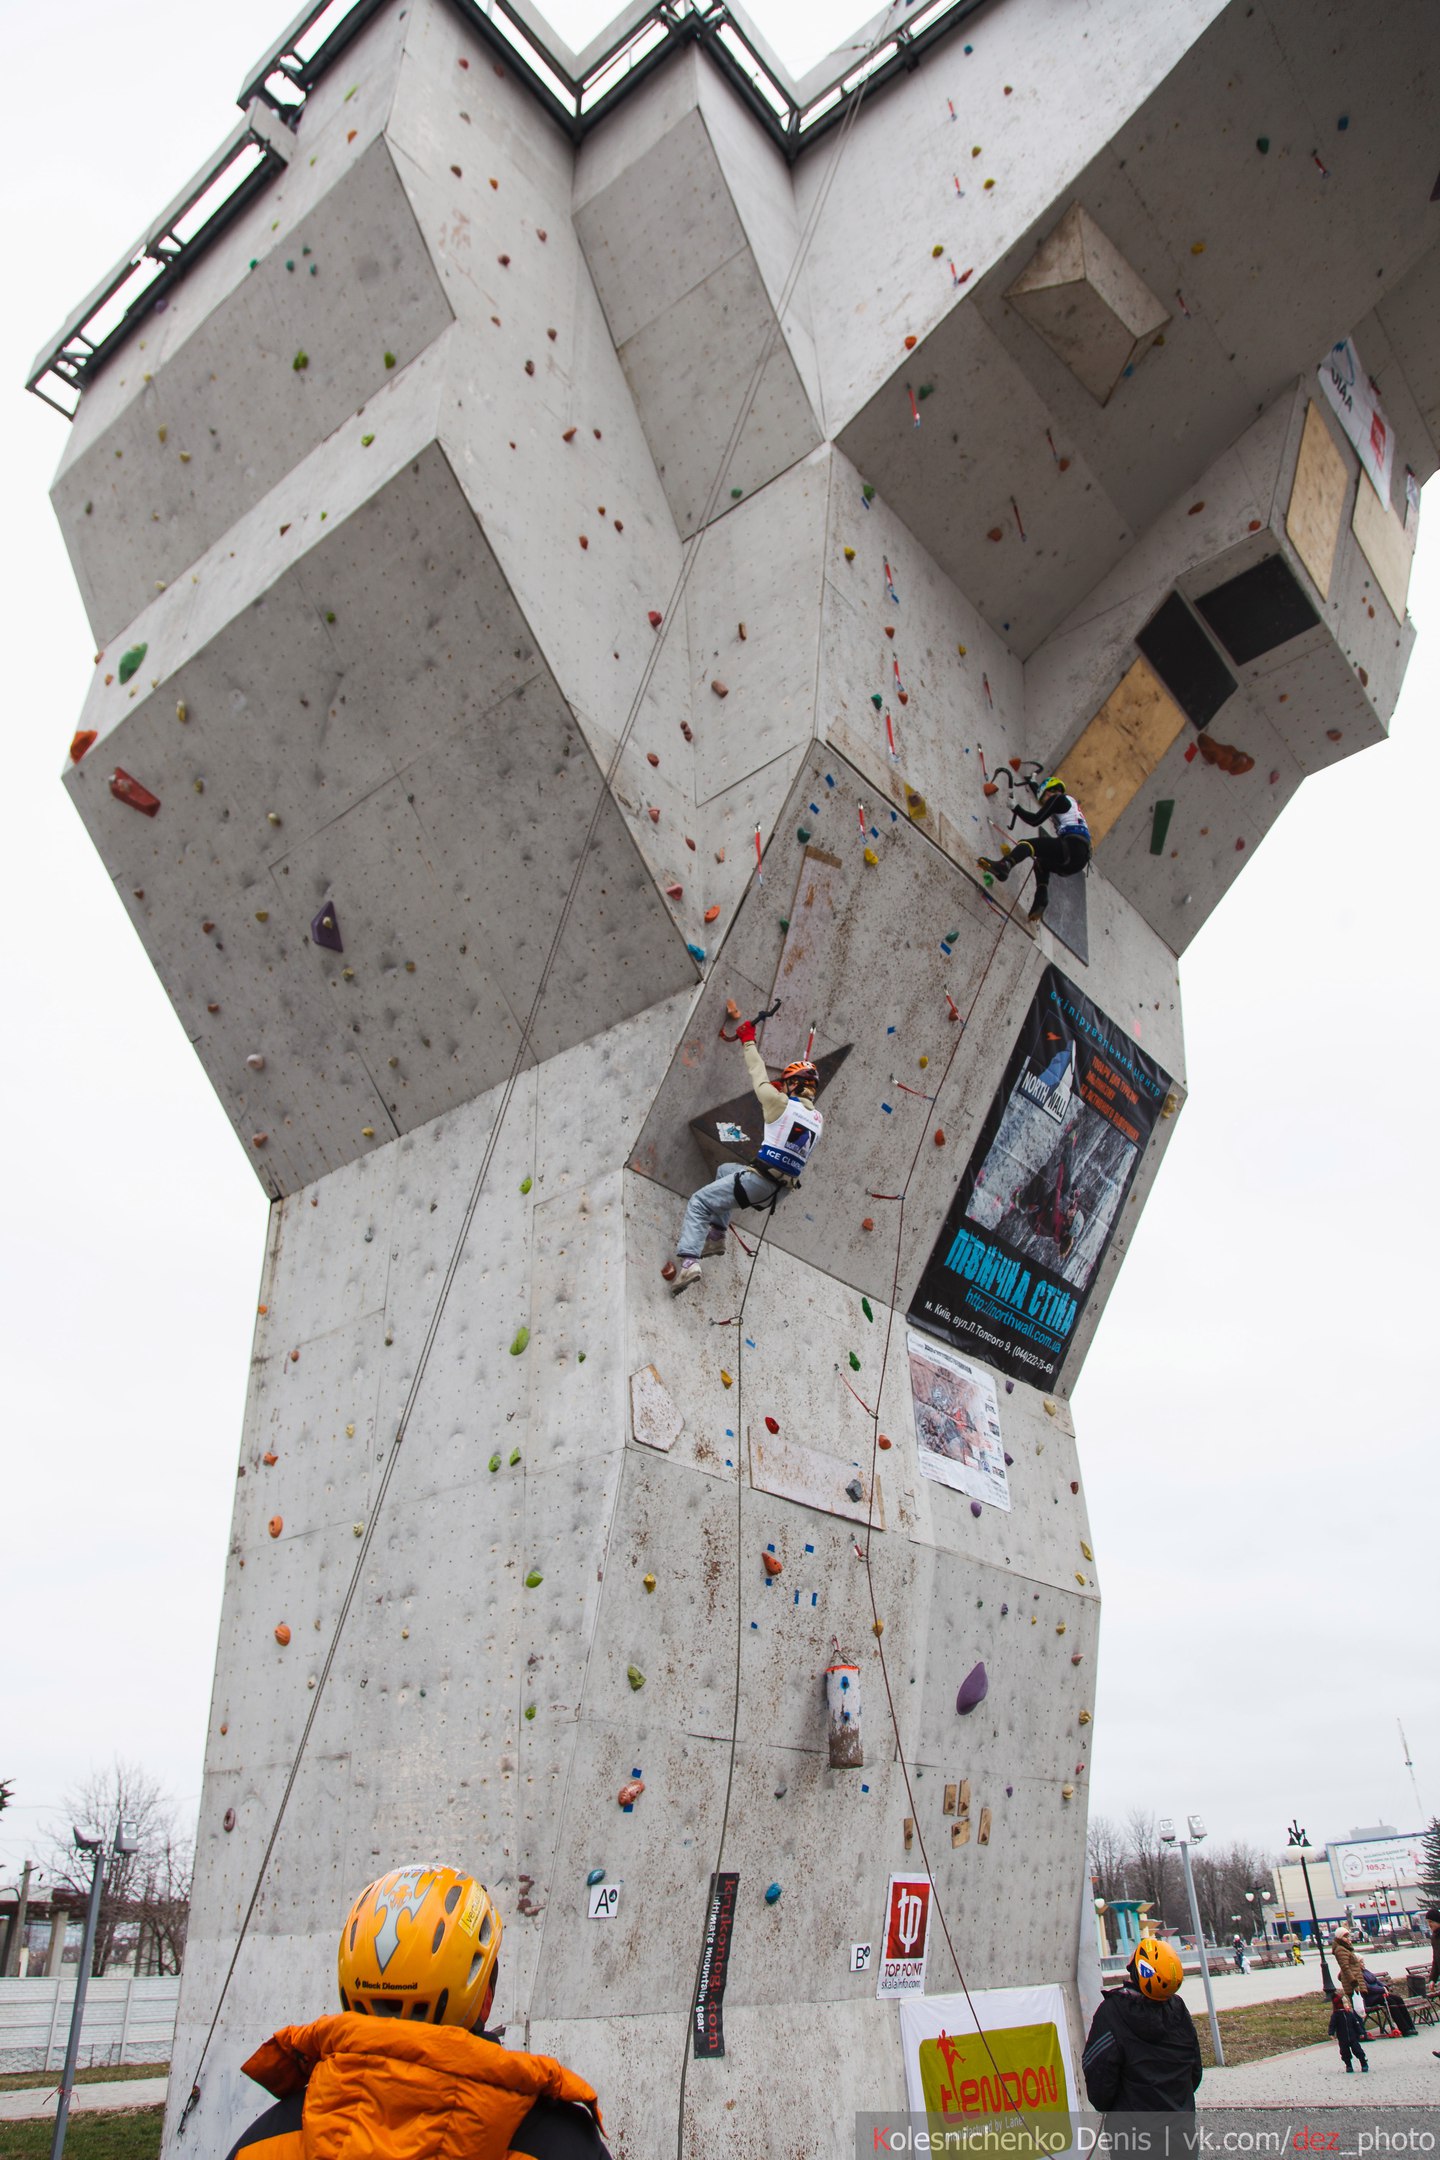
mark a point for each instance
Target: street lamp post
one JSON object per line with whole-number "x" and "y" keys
{"x": 1168, "y": 1837}
{"x": 124, "y": 1842}
{"x": 1296, "y": 1836}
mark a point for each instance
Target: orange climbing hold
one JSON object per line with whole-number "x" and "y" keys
{"x": 80, "y": 742}
{"x": 654, "y": 815}
{"x": 275, "y": 1525}
{"x": 911, "y": 343}
{"x": 282, "y": 1634}
{"x": 630, "y": 1791}
{"x": 772, "y": 1563}
{"x": 712, "y": 914}
{"x": 939, "y": 1137}
{"x": 868, "y": 1223}
{"x": 269, "y": 1458}
{"x": 569, "y": 435}
{"x": 884, "y": 1441}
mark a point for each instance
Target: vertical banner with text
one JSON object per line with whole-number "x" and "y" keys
{"x": 1036, "y": 1209}
{"x": 707, "y": 2019}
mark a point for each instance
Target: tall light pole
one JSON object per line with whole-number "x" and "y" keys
{"x": 1296, "y": 1836}
{"x": 124, "y": 1842}
{"x": 1168, "y": 1837}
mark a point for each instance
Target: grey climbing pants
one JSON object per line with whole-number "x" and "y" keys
{"x": 709, "y": 1209}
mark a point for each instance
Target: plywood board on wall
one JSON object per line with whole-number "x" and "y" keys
{"x": 1387, "y": 545}
{"x": 1122, "y": 747}
{"x": 1317, "y": 499}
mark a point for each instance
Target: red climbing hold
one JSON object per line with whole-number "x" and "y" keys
{"x": 996, "y": 532}
{"x": 654, "y": 815}
{"x": 630, "y": 1791}
{"x": 674, "y": 892}
{"x": 269, "y": 1458}
{"x": 126, "y": 790}
{"x": 910, "y": 344}
{"x": 667, "y": 1273}
{"x": 1074, "y": 1485}
{"x": 939, "y": 1137}
{"x": 569, "y": 435}
{"x": 883, "y": 1440}
{"x": 651, "y": 758}
{"x": 1239, "y": 845}
{"x": 80, "y": 742}
{"x": 772, "y": 1424}
{"x": 868, "y": 1223}
{"x": 656, "y": 618}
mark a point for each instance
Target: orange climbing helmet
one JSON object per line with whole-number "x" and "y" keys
{"x": 800, "y": 1078}
{"x": 1156, "y": 1967}
{"x": 422, "y": 1942}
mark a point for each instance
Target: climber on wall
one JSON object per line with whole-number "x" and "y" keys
{"x": 1063, "y": 853}
{"x": 405, "y": 2069}
{"x": 792, "y": 1130}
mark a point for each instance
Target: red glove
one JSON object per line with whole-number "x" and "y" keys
{"x": 745, "y": 1032}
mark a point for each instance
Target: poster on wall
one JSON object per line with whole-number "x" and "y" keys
{"x": 957, "y": 1421}
{"x": 997, "y": 2059}
{"x": 1357, "y": 407}
{"x": 1032, "y": 1218}
{"x": 906, "y": 1939}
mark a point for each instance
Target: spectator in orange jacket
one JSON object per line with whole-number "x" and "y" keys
{"x": 406, "y": 2069}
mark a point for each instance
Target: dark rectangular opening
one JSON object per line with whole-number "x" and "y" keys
{"x": 1186, "y": 662}
{"x": 1262, "y": 608}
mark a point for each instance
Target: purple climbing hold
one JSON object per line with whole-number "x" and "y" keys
{"x": 1009, "y": 1789}
{"x": 1003, "y": 1610}
{"x": 325, "y": 930}
{"x": 1009, "y": 1387}
{"x": 975, "y": 1508}
{"x": 1009, "y": 1459}
{"x": 973, "y": 1690}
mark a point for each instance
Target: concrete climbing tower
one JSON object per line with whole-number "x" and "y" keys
{"x": 502, "y": 483}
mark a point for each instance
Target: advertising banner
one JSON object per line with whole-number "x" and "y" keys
{"x": 1376, "y": 1864}
{"x": 957, "y": 1422}
{"x": 1035, "y": 1211}
{"x": 707, "y": 2019}
{"x": 1000, "y": 2057}
{"x": 907, "y": 1930}
{"x": 1357, "y": 408}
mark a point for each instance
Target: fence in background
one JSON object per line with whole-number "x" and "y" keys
{"x": 126, "y": 2021}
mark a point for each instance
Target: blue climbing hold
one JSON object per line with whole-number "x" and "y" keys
{"x": 596, "y": 1874}
{"x": 772, "y": 1895}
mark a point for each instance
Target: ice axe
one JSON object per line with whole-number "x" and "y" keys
{"x": 733, "y": 1011}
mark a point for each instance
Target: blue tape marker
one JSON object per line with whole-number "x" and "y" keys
{"x": 887, "y": 1109}
{"x": 809, "y": 1548}
{"x": 755, "y": 1625}
{"x": 749, "y": 1342}
{"x": 769, "y": 1548}
{"x": 814, "y": 809}
{"x": 814, "y": 1597}
{"x": 829, "y": 779}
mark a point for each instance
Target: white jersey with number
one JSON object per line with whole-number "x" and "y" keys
{"x": 790, "y": 1139}
{"x": 1071, "y": 820}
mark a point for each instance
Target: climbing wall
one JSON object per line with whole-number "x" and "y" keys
{"x": 540, "y": 594}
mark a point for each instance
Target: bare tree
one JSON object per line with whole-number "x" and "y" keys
{"x": 123, "y": 1793}
{"x": 1107, "y": 1855}
{"x": 1151, "y": 1864}
{"x": 165, "y": 1907}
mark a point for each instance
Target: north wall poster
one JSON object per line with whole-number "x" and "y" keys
{"x": 1034, "y": 1214}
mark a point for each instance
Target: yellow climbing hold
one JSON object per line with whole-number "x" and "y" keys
{"x": 1049, "y": 1407}
{"x": 878, "y": 1626}
{"x": 367, "y": 1132}
{"x": 1059, "y": 1627}
{"x": 726, "y": 1379}
{"x": 1086, "y": 1550}
{"x": 634, "y": 1675}
{"x": 871, "y": 857}
{"x": 182, "y": 711}
{"x": 649, "y": 1582}
{"x": 849, "y": 554}
{"x": 1084, "y": 1718}
{"x": 1080, "y": 1578}
{"x": 1067, "y": 1792}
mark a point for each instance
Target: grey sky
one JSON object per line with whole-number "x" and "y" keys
{"x": 1257, "y": 1439}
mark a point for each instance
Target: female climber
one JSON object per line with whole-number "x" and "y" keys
{"x": 1063, "y": 854}
{"x": 792, "y": 1131}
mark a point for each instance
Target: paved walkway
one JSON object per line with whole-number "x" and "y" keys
{"x": 1232, "y": 1989}
{"x": 1403, "y": 2073}
{"x": 40, "y": 2100}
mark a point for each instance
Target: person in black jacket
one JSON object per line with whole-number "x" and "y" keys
{"x": 1348, "y": 2029}
{"x": 1142, "y": 2055}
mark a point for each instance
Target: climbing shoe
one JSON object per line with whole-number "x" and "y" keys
{"x": 688, "y": 1272}
{"x": 1037, "y": 911}
{"x": 714, "y": 1246}
{"x": 999, "y": 870}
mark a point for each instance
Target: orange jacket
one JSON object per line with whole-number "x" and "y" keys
{"x": 375, "y": 2086}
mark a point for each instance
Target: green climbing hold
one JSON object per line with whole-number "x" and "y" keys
{"x": 634, "y": 1675}
{"x": 854, "y": 1362}
{"x": 389, "y": 359}
{"x": 522, "y": 1338}
{"x": 784, "y": 922}
{"x": 525, "y": 1184}
{"x": 329, "y": 614}
{"x": 596, "y": 1875}
{"x": 300, "y": 362}
{"x": 1262, "y": 144}
{"x": 1160, "y": 826}
{"x": 494, "y": 1462}
{"x": 736, "y": 493}
{"x": 529, "y": 1711}
{"x": 950, "y": 936}
{"x": 803, "y": 834}
{"x": 876, "y": 700}
{"x": 988, "y": 879}
{"x": 254, "y": 262}
{"x": 534, "y": 1579}
{"x": 867, "y": 491}
{"x": 867, "y": 1308}
{"x": 580, "y": 1357}
{"x": 514, "y": 1457}
{"x": 289, "y": 266}
{"x": 927, "y": 389}
{"x": 130, "y": 661}
{"x": 365, "y": 441}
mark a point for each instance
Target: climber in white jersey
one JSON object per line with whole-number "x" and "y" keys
{"x": 1064, "y": 854}
{"x": 792, "y": 1132}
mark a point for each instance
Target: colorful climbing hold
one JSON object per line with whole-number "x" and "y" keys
{"x": 772, "y": 1563}
{"x": 649, "y": 1582}
{"x": 973, "y": 1690}
{"x": 854, "y": 1362}
{"x": 772, "y": 1425}
{"x": 389, "y": 359}
{"x": 130, "y": 661}
{"x": 727, "y": 1379}
{"x": 939, "y": 1136}
{"x": 522, "y": 1337}
{"x": 526, "y": 1183}
{"x": 867, "y": 1308}
{"x": 634, "y": 1675}
{"x": 325, "y": 929}
{"x": 80, "y": 742}
{"x": 849, "y": 554}
{"x": 282, "y": 1634}
{"x": 871, "y": 858}
{"x": 867, "y": 1222}
{"x": 772, "y": 1895}
{"x": 596, "y": 1875}
{"x": 275, "y": 1525}
{"x": 365, "y": 441}
{"x": 655, "y": 617}
{"x": 494, "y": 1462}
{"x": 300, "y": 362}
{"x": 630, "y": 1792}
{"x": 534, "y": 1579}
{"x": 128, "y": 790}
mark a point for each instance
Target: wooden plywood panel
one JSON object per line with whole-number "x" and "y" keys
{"x": 1387, "y": 545}
{"x": 654, "y": 1419}
{"x": 1317, "y": 499}
{"x": 1122, "y": 747}
{"x": 813, "y": 1480}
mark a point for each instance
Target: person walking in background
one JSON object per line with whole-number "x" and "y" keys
{"x": 1348, "y": 2030}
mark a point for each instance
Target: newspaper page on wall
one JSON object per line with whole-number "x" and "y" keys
{"x": 957, "y": 1421}
{"x": 1033, "y": 1216}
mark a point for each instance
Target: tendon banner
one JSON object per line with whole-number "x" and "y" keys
{"x": 997, "y": 2061}
{"x": 1042, "y": 1192}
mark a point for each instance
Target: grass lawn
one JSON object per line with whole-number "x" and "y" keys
{"x": 1266, "y": 2028}
{"x": 131, "y": 2135}
{"x": 102, "y": 2074}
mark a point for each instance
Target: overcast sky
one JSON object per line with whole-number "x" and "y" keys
{"x": 1258, "y": 1444}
